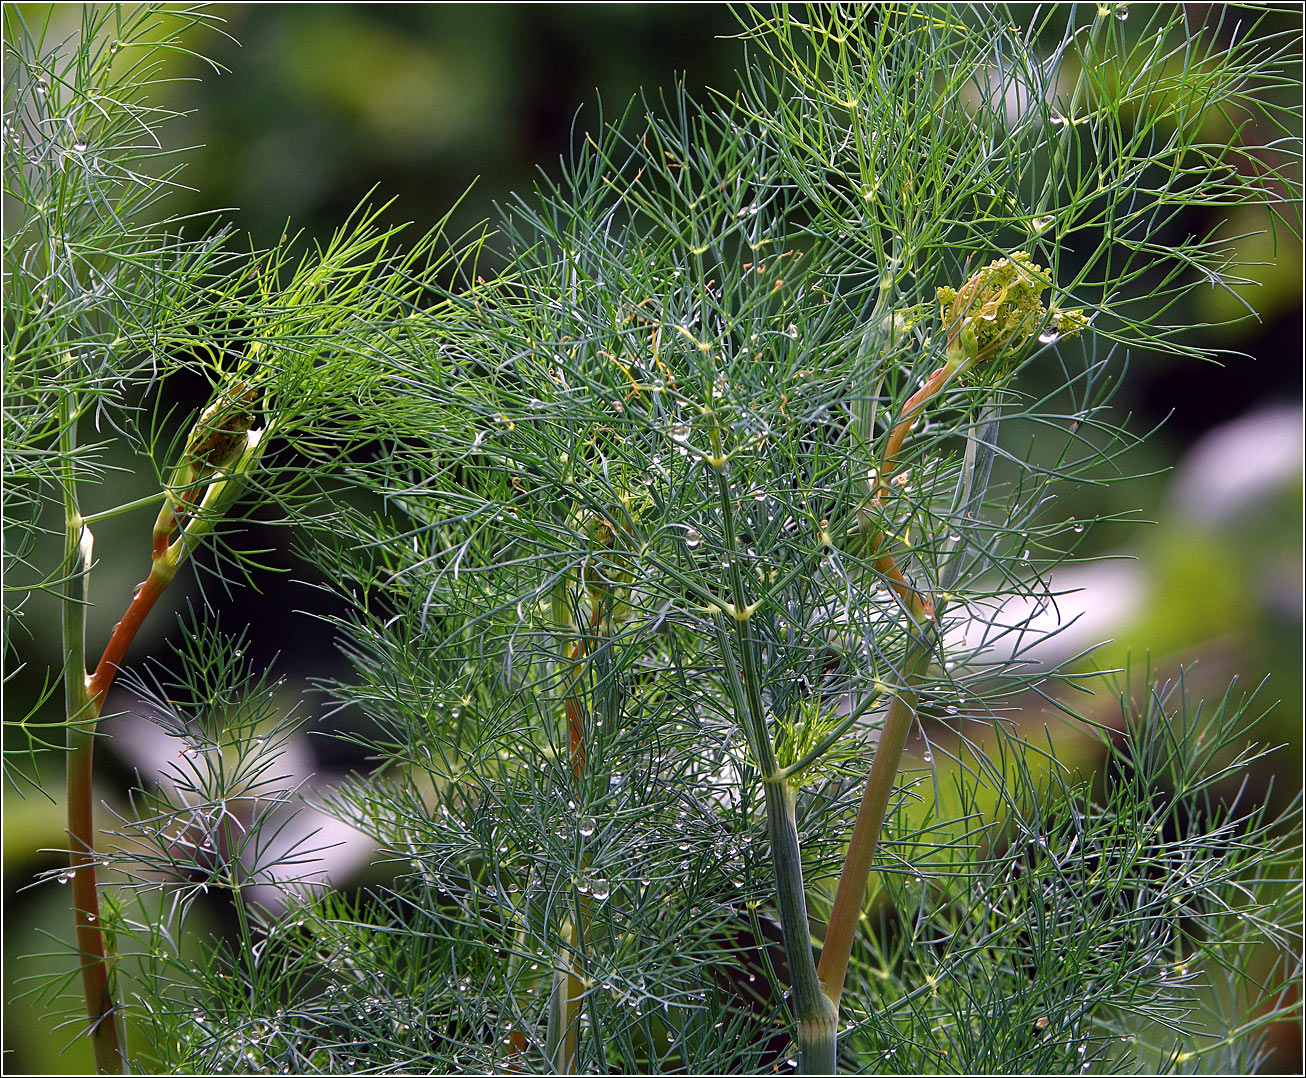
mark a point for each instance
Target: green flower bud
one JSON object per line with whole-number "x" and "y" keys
{"x": 610, "y": 569}
{"x": 218, "y": 436}
{"x": 215, "y": 446}
{"x": 999, "y": 311}
{"x": 607, "y": 570}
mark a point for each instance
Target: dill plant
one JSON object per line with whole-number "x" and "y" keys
{"x": 726, "y": 480}
{"x": 109, "y": 303}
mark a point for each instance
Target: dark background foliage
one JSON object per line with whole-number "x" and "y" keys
{"x": 320, "y": 104}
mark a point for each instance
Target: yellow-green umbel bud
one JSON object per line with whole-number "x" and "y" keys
{"x": 998, "y": 311}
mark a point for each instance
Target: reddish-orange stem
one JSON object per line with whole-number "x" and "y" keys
{"x": 100, "y": 1008}
{"x": 575, "y": 735}
{"x": 918, "y": 605}
{"x": 906, "y": 421}
{"x": 123, "y": 634}
{"x": 105, "y": 1042}
{"x": 161, "y": 536}
{"x": 575, "y": 719}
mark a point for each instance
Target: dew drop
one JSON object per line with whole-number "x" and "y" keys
{"x": 600, "y": 889}
{"x": 1122, "y": 12}
{"x": 80, "y": 145}
{"x": 587, "y": 826}
{"x": 1078, "y": 528}
{"x": 1042, "y": 224}
{"x": 1048, "y": 336}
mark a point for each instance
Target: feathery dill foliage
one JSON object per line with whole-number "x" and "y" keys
{"x": 107, "y": 297}
{"x": 635, "y": 579}
{"x": 694, "y": 498}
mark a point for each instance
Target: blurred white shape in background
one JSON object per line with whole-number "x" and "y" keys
{"x": 1239, "y": 464}
{"x": 1083, "y": 605}
{"x": 1230, "y": 471}
{"x": 300, "y": 845}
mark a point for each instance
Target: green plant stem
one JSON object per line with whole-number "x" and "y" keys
{"x": 559, "y": 1036}
{"x": 814, "y": 1018}
{"x": 126, "y": 507}
{"x": 81, "y": 710}
{"x": 571, "y": 1008}
{"x": 564, "y": 1003}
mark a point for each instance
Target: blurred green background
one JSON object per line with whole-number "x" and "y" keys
{"x": 319, "y": 104}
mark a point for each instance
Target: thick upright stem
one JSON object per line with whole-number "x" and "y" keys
{"x": 106, "y": 1039}
{"x": 560, "y": 1034}
{"x": 815, "y": 1016}
{"x": 815, "y": 1019}
{"x": 85, "y": 699}
{"x": 850, "y": 892}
